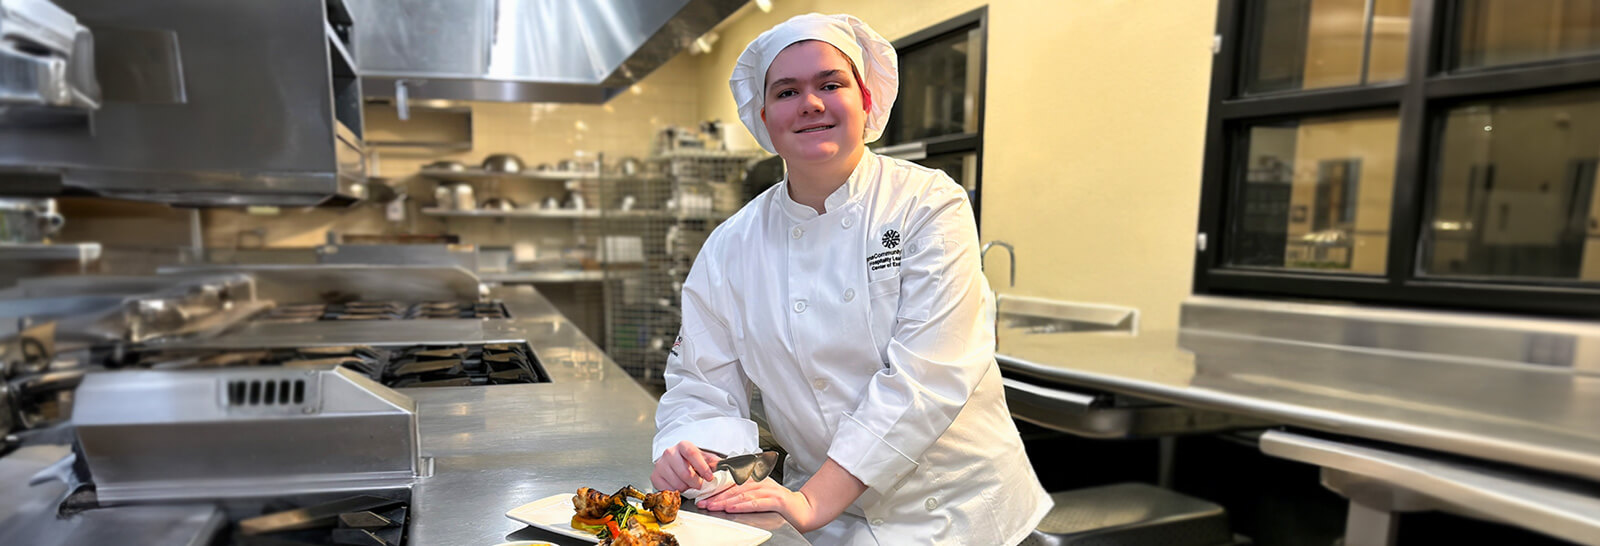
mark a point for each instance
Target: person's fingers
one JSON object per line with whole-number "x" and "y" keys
{"x": 717, "y": 499}
{"x": 737, "y": 494}
{"x": 723, "y": 500}
{"x": 679, "y": 473}
{"x": 711, "y": 458}
{"x": 759, "y": 498}
{"x": 659, "y": 480}
{"x": 682, "y": 474}
{"x": 698, "y": 461}
{"x": 759, "y": 504}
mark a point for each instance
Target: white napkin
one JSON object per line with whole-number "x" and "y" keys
{"x": 720, "y": 480}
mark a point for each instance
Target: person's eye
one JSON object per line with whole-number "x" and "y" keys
{"x": 785, "y": 93}
{"x": 831, "y": 86}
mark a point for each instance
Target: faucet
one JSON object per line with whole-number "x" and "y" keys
{"x": 1010, "y": 251}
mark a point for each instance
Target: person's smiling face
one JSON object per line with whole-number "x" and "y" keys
{"x": 815, "y": 109}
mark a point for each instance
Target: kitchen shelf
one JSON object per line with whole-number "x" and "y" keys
{"x": 439, "y": 146}
{"x": 474, "y": 175}
{"x": 708, "y": 154}
{"x": 520, "y": 213}
{"x": 544, "y": 276}
{"x": 577, "y": 214}
{"x": 709, "y": 216}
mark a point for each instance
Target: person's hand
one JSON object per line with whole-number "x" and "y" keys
{"x": 768, "y": 496}
{"x": 683, "y": 466}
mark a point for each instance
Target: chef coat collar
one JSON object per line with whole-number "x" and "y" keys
{"x": 865, "y": 172}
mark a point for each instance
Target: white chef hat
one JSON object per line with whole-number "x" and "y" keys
{"x": 874, "y": 59}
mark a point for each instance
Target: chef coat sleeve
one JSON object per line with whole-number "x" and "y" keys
{"x": 707, "y": 400}
{"x": 942, "y": 345}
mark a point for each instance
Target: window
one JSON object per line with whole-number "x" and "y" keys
{"x": 937, "y": 119}
{"x": 1306, "y": 44}
{"x": 1300, "y": 193}
{"x": 1406, "y": 152}
{"x": 1514, "y": 188}
{"x": 1508, "y": 32}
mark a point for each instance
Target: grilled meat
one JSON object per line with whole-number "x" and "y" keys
{"x": 662, "y": 504}
{"x": 639, "y": 535}
{"x": 591, "y": 504}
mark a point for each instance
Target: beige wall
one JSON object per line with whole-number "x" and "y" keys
{"x": 1095, "y": 126}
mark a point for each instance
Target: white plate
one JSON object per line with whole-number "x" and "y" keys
{"x": 554, "y": 513}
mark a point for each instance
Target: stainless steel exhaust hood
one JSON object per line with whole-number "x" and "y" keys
{"x": 205, "y": 102}
{"x": 583, "y": 51}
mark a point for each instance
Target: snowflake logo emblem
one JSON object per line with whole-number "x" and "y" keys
{"x": 891, "y": 239}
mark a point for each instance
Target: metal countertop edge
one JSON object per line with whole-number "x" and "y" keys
{"x": 1586, "y": 465}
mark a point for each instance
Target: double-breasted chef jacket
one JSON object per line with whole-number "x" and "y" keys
{"x": 869, "y": 330}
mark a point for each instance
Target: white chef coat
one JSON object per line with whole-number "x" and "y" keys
{"x": 869, "y": 330}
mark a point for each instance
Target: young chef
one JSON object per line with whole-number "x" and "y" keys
{"x": 850, "y": 294}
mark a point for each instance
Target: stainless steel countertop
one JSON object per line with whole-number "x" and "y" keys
{"x": 497, "y": 448}
{"x": 493, "y": 448}
{"x": 1539, "y": 418}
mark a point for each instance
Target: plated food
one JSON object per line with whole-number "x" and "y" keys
{"x": 617, "y": 522}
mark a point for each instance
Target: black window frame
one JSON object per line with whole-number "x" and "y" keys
{"x": 959, "y": 143}
{"x": 1427, "y": 92}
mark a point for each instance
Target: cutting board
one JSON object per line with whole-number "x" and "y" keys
{"x": 554, "y": 513}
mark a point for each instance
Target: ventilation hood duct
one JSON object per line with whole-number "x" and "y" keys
{"x": 583, "y": 51}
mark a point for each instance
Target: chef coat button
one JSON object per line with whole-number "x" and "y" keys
{"x": 798, "y": 231}
{"x": 931, "y": 503}
{"x": 848, "y": 221}
{"x": 876, "y": 522}
{"x": 820, "y": 384}
{"x": 800, "y": 306}
{"x": 849, "y": 294}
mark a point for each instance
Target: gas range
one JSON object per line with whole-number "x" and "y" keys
{"x": 373, "y": 518}
{"x": 386, "y": 310}
{"x": 411, "y": 366}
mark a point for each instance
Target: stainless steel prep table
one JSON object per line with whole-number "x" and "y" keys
{"x": 1543, "y": 419}
{"x": 501, "y": 447}
{"x": 494, "y": 447}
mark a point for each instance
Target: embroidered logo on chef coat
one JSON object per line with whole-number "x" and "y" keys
{"x": 890, "y": 256}
{"x": 675, "y": 345}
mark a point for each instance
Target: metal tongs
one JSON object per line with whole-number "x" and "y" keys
{"x": 754, "y": 466}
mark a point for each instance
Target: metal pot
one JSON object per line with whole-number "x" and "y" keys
{"x": 452, "y": 166}
{"x": 499, "y": 203}
{"x": 503, "y": 163}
